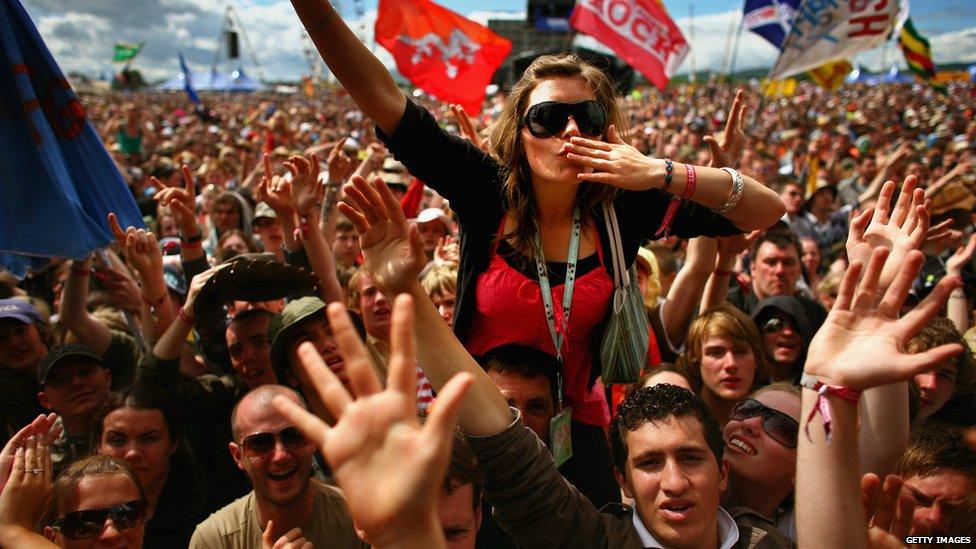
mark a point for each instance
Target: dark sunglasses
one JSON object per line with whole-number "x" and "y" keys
{"x": 549, "y": 118}
{"x": 90, "y": 523}
{"x": 776, "y": 324}
{"x": 262, "y": 444}
{"x": 779, "y": 426}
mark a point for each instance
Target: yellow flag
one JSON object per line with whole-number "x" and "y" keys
{"x": 779, "y": 88}
{"x": 830, "y": 76}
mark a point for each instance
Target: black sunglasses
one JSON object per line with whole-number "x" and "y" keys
{"x": 776, "y": 324}
{"x": 779, "y": 426}
{"x": 262, "y": 444}
{"x": 90, "y": 523}
{"x": 549, "y": 118}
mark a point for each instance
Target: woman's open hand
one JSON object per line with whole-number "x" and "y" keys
{"x": 613, "y": 162}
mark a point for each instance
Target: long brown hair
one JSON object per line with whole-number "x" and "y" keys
{"x": 506, "y": 144}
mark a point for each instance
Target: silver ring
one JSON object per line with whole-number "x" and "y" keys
{"x": 35, "y": 471}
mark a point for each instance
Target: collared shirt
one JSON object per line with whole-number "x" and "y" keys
{"x": 728, "y": 531}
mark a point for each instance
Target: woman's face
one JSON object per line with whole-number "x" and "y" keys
{"x": 811, "y": 256}
{"x": 141, "y": 438}
{"x": 752, "y": 453}
{"x": 168, "y": 227}
{"x": 235, "y": 244}
{"x": 545, "y": 155}
{"x": 102, "y": 492}
{"x": 727, "y": 368}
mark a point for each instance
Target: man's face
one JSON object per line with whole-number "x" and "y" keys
{"x": 459, "y": 518}
{"x": 532, "y": 397}
{"x": 937, "y": 495}
{"x": 268, "y": 231}
{"x": 674, "y": 480}
{"x": 281, "y": 476}
{"x": 781, "y": 341}
{"x": 867, "y": 169}
{"x": 317, "y": 331}
{"x": 21, "y": 346}
{"x": 76, "y": 387}
{"x": 936, "y": 388}
{"x": 430, "y": 232}
{"x": 247, "y": 341}
{"x": 444, "y": 303}
{"x": 345, "y": 247}
{"x": 225, "y": 216}
{"x": 727, "y": 368}
{"x": 375, "y": 308}
{"x": 792, "y": 198}
{"x": 775, "y": 270}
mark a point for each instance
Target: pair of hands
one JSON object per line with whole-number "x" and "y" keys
{"x": 26, "y": 471}
{"x": 302, "y": 195}
{"x": 615, "y": 162}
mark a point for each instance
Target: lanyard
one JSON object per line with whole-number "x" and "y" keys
{"x": 558, "y": 336}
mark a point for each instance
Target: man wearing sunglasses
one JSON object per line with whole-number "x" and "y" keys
{"x": 786, "y": 333}
{"x": 278, "y": 461}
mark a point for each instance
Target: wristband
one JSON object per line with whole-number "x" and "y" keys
{"x": 301, "y": 231}
{"x": 822, "y": 405}
{"x": 191, "y": 239}
{"x": 191, "y": 245}
{"x": 690, "y": 183}
{"x": 186, "y": 317}
{"x": 668, "y": 174}
{"x": 154, "y": 306}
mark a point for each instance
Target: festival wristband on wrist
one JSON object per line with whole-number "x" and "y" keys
{"x": 822, "y": 406}
{"x": 185, "y": 316}
{"x": 672, "y": 209}
{"x": 192, "y": 239}
{"x": 690, "y": 182}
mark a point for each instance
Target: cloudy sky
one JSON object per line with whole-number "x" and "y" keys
{"x": 81, "y": 33}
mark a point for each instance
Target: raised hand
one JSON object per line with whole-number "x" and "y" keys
{"x": 275, "y": 191}
{"x": 392, "y": 248}
{"x": 141, "y": 248}
{"x": 306, "y": 190}
{"x": 729, "y": 247}
{"x": 42, "y": 427}
{"x": 727, "y": 149}
{"x": 292, "y": 539}
{"x": 901, "y": 229}
{"x": 447, "y": 252}
{"x": 614, "y": 162}
{"x": 468, "y": 130}
{"x": 196, "y": 284}
{"x": 339, "y": 164}
{"x": 957, "y": 261}
{"x": 378, "y": 445}
{"x": 889, "y": 509}
{"x": 26, "y": 491}
{"x": 122, "y": 290}
{"x": 863, "y": 343}
{"x": 182, "y": 202}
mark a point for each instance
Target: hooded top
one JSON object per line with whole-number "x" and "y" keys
{"x": 792, "y": 308}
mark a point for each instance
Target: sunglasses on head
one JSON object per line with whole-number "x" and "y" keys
{"x": 779, "y": 426}
{"x": 262, "y": 444}
{"x": 90, "y": 523}
{"x": 549, "y": 118}
{"x": 776, "y": 324}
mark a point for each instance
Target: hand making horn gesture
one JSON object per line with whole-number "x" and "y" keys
{"x": 181, "y": 201}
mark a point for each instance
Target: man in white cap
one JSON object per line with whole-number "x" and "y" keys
{"x": 433, "y": 225}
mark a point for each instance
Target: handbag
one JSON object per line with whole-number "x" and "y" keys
{"x": 623, "y": 350}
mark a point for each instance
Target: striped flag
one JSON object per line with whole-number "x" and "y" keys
{"x": 918, "y": 54}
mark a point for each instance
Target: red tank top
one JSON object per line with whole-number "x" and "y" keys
{"x": 509, "y": 309}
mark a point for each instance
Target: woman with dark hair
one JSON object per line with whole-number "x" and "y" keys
{"x": 531, "y": 206}
{"x": 139, "y": 424}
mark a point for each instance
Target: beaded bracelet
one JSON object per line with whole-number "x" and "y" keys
{"x": 668, "y": 174}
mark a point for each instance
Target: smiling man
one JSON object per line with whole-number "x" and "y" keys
{"x": 278, "y": 460}
{"x": 786, "y": 333}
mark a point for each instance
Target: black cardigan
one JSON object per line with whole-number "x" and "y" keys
{"x": 472, "y": 181}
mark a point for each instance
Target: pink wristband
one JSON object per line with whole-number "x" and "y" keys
{"x": 690, "y": 183}
{"x": 823, "y": 405}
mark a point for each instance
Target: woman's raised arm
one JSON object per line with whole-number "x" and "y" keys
{"x": 366, "y": 79}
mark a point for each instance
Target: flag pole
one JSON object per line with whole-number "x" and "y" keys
{"x": 691, "y": 33}
{"x": 725, "y": 55}
{"x": 735, "y": 48}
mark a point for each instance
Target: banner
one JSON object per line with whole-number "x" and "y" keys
{"x": 830, "y": 76}
{"x": 441, "y": 52}
{"x": 770, "y": 19}
{"x": 638, "y": 31}
{"x": 918, "y": 54}
{"x": 827, "y": 30}
{"x": 188, "y": 82}
{"x": 779, "y": 88}
{"x": 57, "y": 181}
{"x": 126, "y": 52}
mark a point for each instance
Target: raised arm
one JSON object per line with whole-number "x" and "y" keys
{"x": 394, "y": 257}
{"x": 359, "y": 71}
{"x": 306, "y": 195}
{"x": 957, "y": 310}
{"x": 679, "y": 307}
{"x": 183, "y": 204}
{"x": 74, "y": 312}
{"x": 861, "y": 345}
{"x": 143, "y": 253}
{"x": 729, "y": 248}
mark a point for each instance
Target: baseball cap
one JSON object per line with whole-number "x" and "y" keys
{"x": 58, "y": 355}
{"x": 20, "y": 310}
{"x": 434, "y": 214}
{"x": 263, "y": 210}
{"x": 283, "y": 325}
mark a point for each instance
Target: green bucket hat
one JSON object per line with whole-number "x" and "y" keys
{"x": 282, "y": 326}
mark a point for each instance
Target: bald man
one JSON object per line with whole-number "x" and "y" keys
{"x": 278, "y": 460}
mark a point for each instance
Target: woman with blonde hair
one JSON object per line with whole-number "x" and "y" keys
{"x": 535, "y": 267}
{"x": 724, "y": 358}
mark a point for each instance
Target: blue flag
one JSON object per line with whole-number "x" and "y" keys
{"x": 188, "y": 82}
{"x": 771, "y": 19}
{"x": 57, "y": 181}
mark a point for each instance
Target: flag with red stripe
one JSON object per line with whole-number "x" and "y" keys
{"x": 918, "y": 54}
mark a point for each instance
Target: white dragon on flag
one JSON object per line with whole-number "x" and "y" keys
{"x": 459, "y": 49}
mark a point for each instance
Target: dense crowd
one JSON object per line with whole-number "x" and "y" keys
{"x": 365, "y": 318}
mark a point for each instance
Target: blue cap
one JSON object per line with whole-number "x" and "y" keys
{"x": 20, "y": 310}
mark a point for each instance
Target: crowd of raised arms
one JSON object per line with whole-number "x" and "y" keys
{"x": 371, "y": 319}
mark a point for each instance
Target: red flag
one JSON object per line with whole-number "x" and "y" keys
{"x": 441, "y": 52}
{"x": 639, "y": 31}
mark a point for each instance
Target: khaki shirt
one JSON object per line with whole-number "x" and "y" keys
{"x": 236, "y": 526}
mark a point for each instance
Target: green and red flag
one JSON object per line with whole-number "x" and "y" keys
{"x": 918, "y": 54}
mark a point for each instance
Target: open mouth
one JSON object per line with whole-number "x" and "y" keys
{"x": 282, "y": 476}
{"x": 253, "y": 374}
{"x": 741, "y": 446}
{"x": 676, "y": 510}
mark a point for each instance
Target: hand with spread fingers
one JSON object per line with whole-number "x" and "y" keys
{"x": 122, "y": 290}
{"x": 182, "y": 202}
{"x": 275, "y": 191}
{"x": 392, "y": 248}
{"x": 889, "y": 508}
{"x": 958, "y": 261}
{"x": 339, "y": 163}
{"x": 726, "y": 150}
{"x": 612, "y": 162}
{"x": 863, "y": 342}
{"x": 44, "y": 427}
{"x": 378, "y": 444}
{"x": 468, "y": 130}
{"x": 900, "y": 230}
{"x": 25, "y": 494}
{"x": 306, "y": 190}
{"x": 447, "y": 252}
